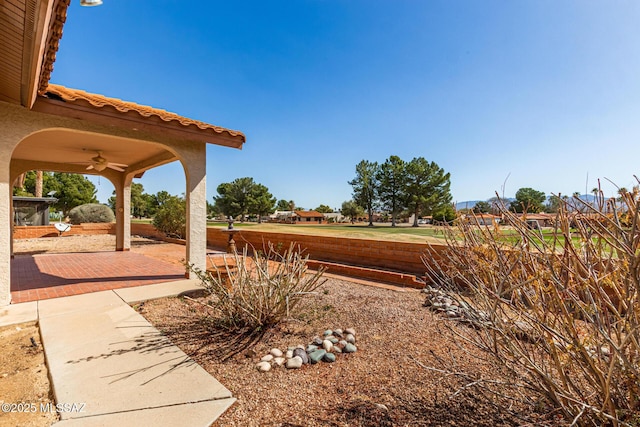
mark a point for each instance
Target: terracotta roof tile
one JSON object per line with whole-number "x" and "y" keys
{"x": 99, "y": 101}
{"x": 58, "y": 18}
{"x": 308, "y": 214}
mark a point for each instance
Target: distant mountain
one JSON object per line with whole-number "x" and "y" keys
{"x": 469, "y": 204}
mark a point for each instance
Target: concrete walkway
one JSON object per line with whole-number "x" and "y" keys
{"x": 109, "y": 366}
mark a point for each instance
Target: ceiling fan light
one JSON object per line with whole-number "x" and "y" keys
{"x": 90, "y": 2}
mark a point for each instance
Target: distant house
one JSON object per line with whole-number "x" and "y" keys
{"x": 281, "y": 216}
{"x": 309, "y": 216}
{"x": 536, "y": 220}
{"x": 334, "y": 217}
{"x": 483, "y": 219}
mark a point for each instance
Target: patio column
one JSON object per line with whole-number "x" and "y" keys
{"x": 5, "y": 232}
{"x": 6, "y": 221}
{"x": 123, "y": 211}
{"x": 194, "y": 161}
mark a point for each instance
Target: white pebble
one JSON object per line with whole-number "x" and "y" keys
{"x": 276, "y": 352}
{"x": 294, "y": 363}
{"x": 263, "y": 366}
{"x": 267, "y": 358}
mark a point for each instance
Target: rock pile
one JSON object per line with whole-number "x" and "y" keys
{"x": 454, "y": 308}
{"x": 325, "y": 349}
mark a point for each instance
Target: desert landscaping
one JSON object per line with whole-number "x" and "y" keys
{"x": 403, "y": 372}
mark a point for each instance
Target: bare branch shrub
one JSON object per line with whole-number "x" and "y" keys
{"x": 258, "y": 291}
{"x": 559, "y": 309}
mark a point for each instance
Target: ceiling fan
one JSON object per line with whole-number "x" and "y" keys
{"x": 100, "y": 163}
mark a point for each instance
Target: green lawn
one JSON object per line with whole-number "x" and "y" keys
{"x": 403, "y": 232}
{"x": 141, "y": 221}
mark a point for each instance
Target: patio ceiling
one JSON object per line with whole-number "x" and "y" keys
{"x": 71, "y": 151}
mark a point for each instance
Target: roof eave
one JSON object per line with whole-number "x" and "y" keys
{"x": 134, "y": 121}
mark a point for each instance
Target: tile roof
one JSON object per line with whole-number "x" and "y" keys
{"x": 77, "y": 96}
{"x": 58, "y": 18}
{"x": 309, "y": 214}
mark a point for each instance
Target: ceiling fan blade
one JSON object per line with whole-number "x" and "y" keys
{"x": 122, "y": 165}
{"x": 114, "y": 167}
{"x": 89, "y": 167}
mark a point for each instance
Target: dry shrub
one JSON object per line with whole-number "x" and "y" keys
{"x": 259, "y": 291}
{"x": 560, "y": 312}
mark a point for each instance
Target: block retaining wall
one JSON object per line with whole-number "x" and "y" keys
{"x": 380, "y": 254}
{"x": 33, "y": 232}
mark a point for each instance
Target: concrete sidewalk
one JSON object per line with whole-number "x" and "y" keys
{"x": 109, "y": 366}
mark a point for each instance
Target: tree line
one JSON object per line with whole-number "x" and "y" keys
{"x": 416, "y": 187}
{"x": 70, "y": 189}
{"x": 244, "y": 197}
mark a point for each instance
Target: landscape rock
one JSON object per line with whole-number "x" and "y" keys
{"x": 299, "y": 352}
{"x": 279, "y": 361}
{"x": 317, "y": 355}
{"x": 350, "y": 339}
{"x": 311, "y": 348}
{"x": 267, "y": 358}
{"x": 316, "y": 341}
{"x": 327, "y": 345}
{"x": 276, "y": 352}
{"x": 328, "y": 332}
{"x": 289, "y": 354}
{"x": 329, "y": 358}
{"x": 294, "y": 363}
{"x": 349, "y": 348}
{"x": 263, "y": 366}
{"x": 350, "y": 331}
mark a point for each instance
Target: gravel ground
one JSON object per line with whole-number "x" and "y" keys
{"x": 24, "y": 383}
{"x": 385, "y": 383}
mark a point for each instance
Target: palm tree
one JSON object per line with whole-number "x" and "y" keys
{"x": 38, "y": 184}
{"x": 621, "y": 192}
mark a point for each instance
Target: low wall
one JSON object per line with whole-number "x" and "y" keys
{"x": 34, "y": 232}
{"x": 146, "y": 230}
{"x": 396, "y": 256}
{"x": 377, "y": 254}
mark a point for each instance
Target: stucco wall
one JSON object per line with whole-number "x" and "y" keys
{"x": 31, "y": 232}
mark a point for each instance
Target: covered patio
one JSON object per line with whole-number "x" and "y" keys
{"x": 44, "y": 276}
{"x": 54, "y": 128}
{"x": 54, "y": 267}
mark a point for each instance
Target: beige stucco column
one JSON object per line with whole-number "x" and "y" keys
{"x": 194, "y": 161}
{"x": 12, "y": 131}
{"x": 5, "y": 226}
{"x": 122, "y": 185}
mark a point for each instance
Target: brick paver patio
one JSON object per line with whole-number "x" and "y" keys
{"x": 43, "y": 276}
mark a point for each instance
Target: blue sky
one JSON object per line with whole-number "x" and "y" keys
{"x": 541, "y": 93}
